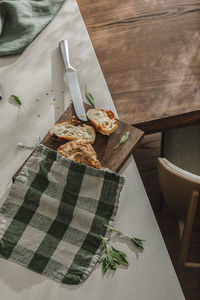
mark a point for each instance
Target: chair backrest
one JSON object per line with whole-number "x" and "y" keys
{"x": 177, "y": 186}
{"x": 182, "y": 147}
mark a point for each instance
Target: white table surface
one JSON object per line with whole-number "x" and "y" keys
{"x": 150, "y": 274}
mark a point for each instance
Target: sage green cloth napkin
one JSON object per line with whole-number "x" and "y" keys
{"x": 54, "y": 214}
{"x": 22, "y": 20}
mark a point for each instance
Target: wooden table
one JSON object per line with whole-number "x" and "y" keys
{"x": 35, "y": 74}
{"x": 149, "y": 52}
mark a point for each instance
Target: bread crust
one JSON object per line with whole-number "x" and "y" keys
{"x": 80, "y": 151}
{"x": 106, "y": 123}
{"x": 72, "y": 130}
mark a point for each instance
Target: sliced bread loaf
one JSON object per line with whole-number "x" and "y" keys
{"x": 104, "y": 120}
{"x": 66, "y": 131}
{"x": 80, "y": 151}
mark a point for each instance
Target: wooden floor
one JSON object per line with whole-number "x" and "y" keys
{"x": 146, "y": 157}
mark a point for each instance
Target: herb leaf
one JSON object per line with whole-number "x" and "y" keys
{"x": 136, "y": 242}
{"x": 16, "y": 99}
{"x": 0, "y": 94}
{"x": 89, "y": 97}
{"x": 112, "y": 256}
{"x": 120, "y": 256}
{"x": 105, "y": 264}
{"x": 123, "y": 139}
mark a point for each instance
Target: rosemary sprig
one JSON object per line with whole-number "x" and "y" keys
{"x": 123, "y": 139}
{"x": 112, "y": 256}
{"x": 16, "y": 99}
{"x": 89, "y": 97}
{"x": 136, "y": 242}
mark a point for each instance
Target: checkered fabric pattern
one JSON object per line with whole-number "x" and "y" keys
{"x": 54, "y": 213}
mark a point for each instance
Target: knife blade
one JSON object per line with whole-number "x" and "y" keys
{"x": 72, "y": 79}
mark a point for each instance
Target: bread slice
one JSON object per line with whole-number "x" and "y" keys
{"x": 80, "y": 151}
{"x": 69, "y": 131}
{"x": 104, "y": 120}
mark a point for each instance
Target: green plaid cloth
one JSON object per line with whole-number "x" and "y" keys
{"x": 54, "y": 213}
{"x": 22, "y": 20}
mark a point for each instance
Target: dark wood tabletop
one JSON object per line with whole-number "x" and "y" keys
{"x": 149, "y": 52}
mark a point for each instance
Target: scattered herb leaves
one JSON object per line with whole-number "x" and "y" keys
{"x": 136, "y": 242}
{"x": 123, "y": 139}
{"x": 0, "y": 94}
{"x": 16, "y": 99}
{"x": 89, "y": 97}
{"x": 112, "y": 256}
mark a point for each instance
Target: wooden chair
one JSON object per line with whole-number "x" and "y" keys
{"x": 181, "y": 192}
{"x": 182, "y": 147}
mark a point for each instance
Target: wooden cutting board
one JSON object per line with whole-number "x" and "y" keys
{"x": 104, "y": 145}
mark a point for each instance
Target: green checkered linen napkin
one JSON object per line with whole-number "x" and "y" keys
{"x": 54, "y": 213}
{"x": 22, "y": 20}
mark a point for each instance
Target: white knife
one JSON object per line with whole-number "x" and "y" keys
{"x": 73, "y": 83}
